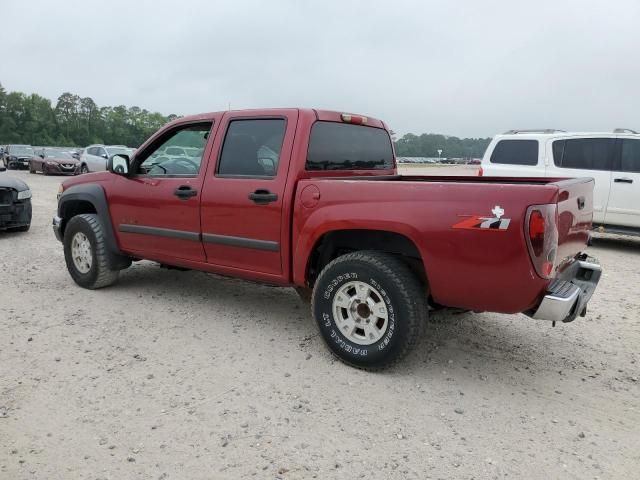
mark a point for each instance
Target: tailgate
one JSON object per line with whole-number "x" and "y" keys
{"x": 575, "y": 213}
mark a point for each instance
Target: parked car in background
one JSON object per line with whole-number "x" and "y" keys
{"x": 612, "y": 159}
{"x": 15, "y": 203}
{"x": 94, "y": 157}
{"x": 53, "y": 161}
{"x": 311, "y": 199}
{"x": 17, "y": 156}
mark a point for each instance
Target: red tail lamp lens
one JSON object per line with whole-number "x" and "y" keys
{"x": 480, "y": 172}
{"x": 547, "y": 268}
{"x": 536, "y": 232}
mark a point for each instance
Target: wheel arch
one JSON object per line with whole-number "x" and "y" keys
{"x": 91, "y": 198}
{"x": 331, "y": 244}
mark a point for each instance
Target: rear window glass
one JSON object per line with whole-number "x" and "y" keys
{"x": 516, "y": 152}
{"x": 630, "y": 156}
{"x": 343, "y": 146}
{"x": 584, "y": 153}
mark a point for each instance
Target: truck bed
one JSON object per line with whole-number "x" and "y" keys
{"x": 469, "y": 268}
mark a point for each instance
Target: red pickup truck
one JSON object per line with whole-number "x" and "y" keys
{"x": 312, "y": 199}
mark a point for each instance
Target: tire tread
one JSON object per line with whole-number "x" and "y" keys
{"x": 106, "y": 276}
{"x": 410, "y": 288}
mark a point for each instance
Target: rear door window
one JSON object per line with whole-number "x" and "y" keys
{"x": 344, "y": 146}
{"x": 584, "y": 153}
{"x": 252, "y": 147}
{"x": 630, "y": 155}
{"x": 515, "y": 152}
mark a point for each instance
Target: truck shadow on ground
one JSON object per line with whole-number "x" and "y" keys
{"x": 487, "y": 344}
{"x": 630, "y": 245}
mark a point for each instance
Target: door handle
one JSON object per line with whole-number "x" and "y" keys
{"x": 623, "y": 180}
{"x": 184, "y": 192}
{"x": 263, "y": 197}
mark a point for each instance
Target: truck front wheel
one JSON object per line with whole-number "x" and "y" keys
{"x": 85, "y": 252}
{"x": 370, "y": 308}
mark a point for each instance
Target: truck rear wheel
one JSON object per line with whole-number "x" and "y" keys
{"x": 85, "y": 252}
{"x": 370, "y": 308}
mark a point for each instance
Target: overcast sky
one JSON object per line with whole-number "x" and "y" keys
{"x": 466, "y": 68}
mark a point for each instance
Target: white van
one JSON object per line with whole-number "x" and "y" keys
{"x": 612, "y": 159}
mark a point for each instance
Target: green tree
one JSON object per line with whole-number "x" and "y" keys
{"x": 73, "y": 121}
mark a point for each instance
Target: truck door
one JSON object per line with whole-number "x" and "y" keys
{"x": 155, "y": 210}
{"x": 243, "y": 198}
{"x": 623, "y": 208}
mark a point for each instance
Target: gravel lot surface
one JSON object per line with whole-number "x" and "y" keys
{"x": 184, "y": 375}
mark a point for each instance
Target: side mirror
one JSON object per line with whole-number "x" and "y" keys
{"x": 104, "y": 155}
{"x": 119, "y": 164}
{"x": 41, "y": 155}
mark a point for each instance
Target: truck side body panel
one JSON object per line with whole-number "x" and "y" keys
{"x": 473, "y": 268}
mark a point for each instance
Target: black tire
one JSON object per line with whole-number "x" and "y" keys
{"x": 84, "y": 169}
{"x": 100, "y": 273}
{"x": 398, "y": 287}
{"x": 44, "y": 170}
{"x": 31, "y": 169}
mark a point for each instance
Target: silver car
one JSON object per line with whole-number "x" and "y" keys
{"x": 94, "y": 157}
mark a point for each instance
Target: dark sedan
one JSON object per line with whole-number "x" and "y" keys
{"x": 15, "y": 203}
{"x": 17, "y": 156}
{"x": 50, "y": 161}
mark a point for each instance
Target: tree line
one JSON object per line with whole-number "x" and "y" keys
{"x": 73, "y": 121}
{"x": 76, "y": 121}
{"x": 428, "y": 144}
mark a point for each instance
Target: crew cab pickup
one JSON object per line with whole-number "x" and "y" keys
{"x": 312, "y": 199}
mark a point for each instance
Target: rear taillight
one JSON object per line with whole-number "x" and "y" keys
{"x": 536, "y": 231}
{"x": 480, "y": 171}
{"x": 542, "y": 237}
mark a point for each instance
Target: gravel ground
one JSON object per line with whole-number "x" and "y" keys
{"x": 184, "y": 375}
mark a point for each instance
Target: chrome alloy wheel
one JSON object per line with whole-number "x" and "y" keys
{"x": 81, "y": 252}
{"x": 360, "y": 313}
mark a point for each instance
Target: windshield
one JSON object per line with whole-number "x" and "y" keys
{"x": 116, "y": 150}
{"x": 20, "y": 150}
{"x": 57, "y": 154}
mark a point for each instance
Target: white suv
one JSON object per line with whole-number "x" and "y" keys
{"x": 94, "y": 157}
{"x": 612, "y": 159}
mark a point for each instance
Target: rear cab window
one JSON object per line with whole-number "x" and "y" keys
{"x": 515, "y": 152}
{"x": 345, "y": 146}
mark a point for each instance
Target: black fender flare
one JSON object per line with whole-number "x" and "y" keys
{"x": 94, "y": 194}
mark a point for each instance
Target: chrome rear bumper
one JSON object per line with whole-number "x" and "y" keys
{"x": 568, "y": 295}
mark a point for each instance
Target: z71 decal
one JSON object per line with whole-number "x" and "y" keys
{"x": 476, "y": 222}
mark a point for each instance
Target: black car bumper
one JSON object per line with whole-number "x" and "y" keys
{"x": 17, "y": 163}
{"x": 14, "y": 215}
